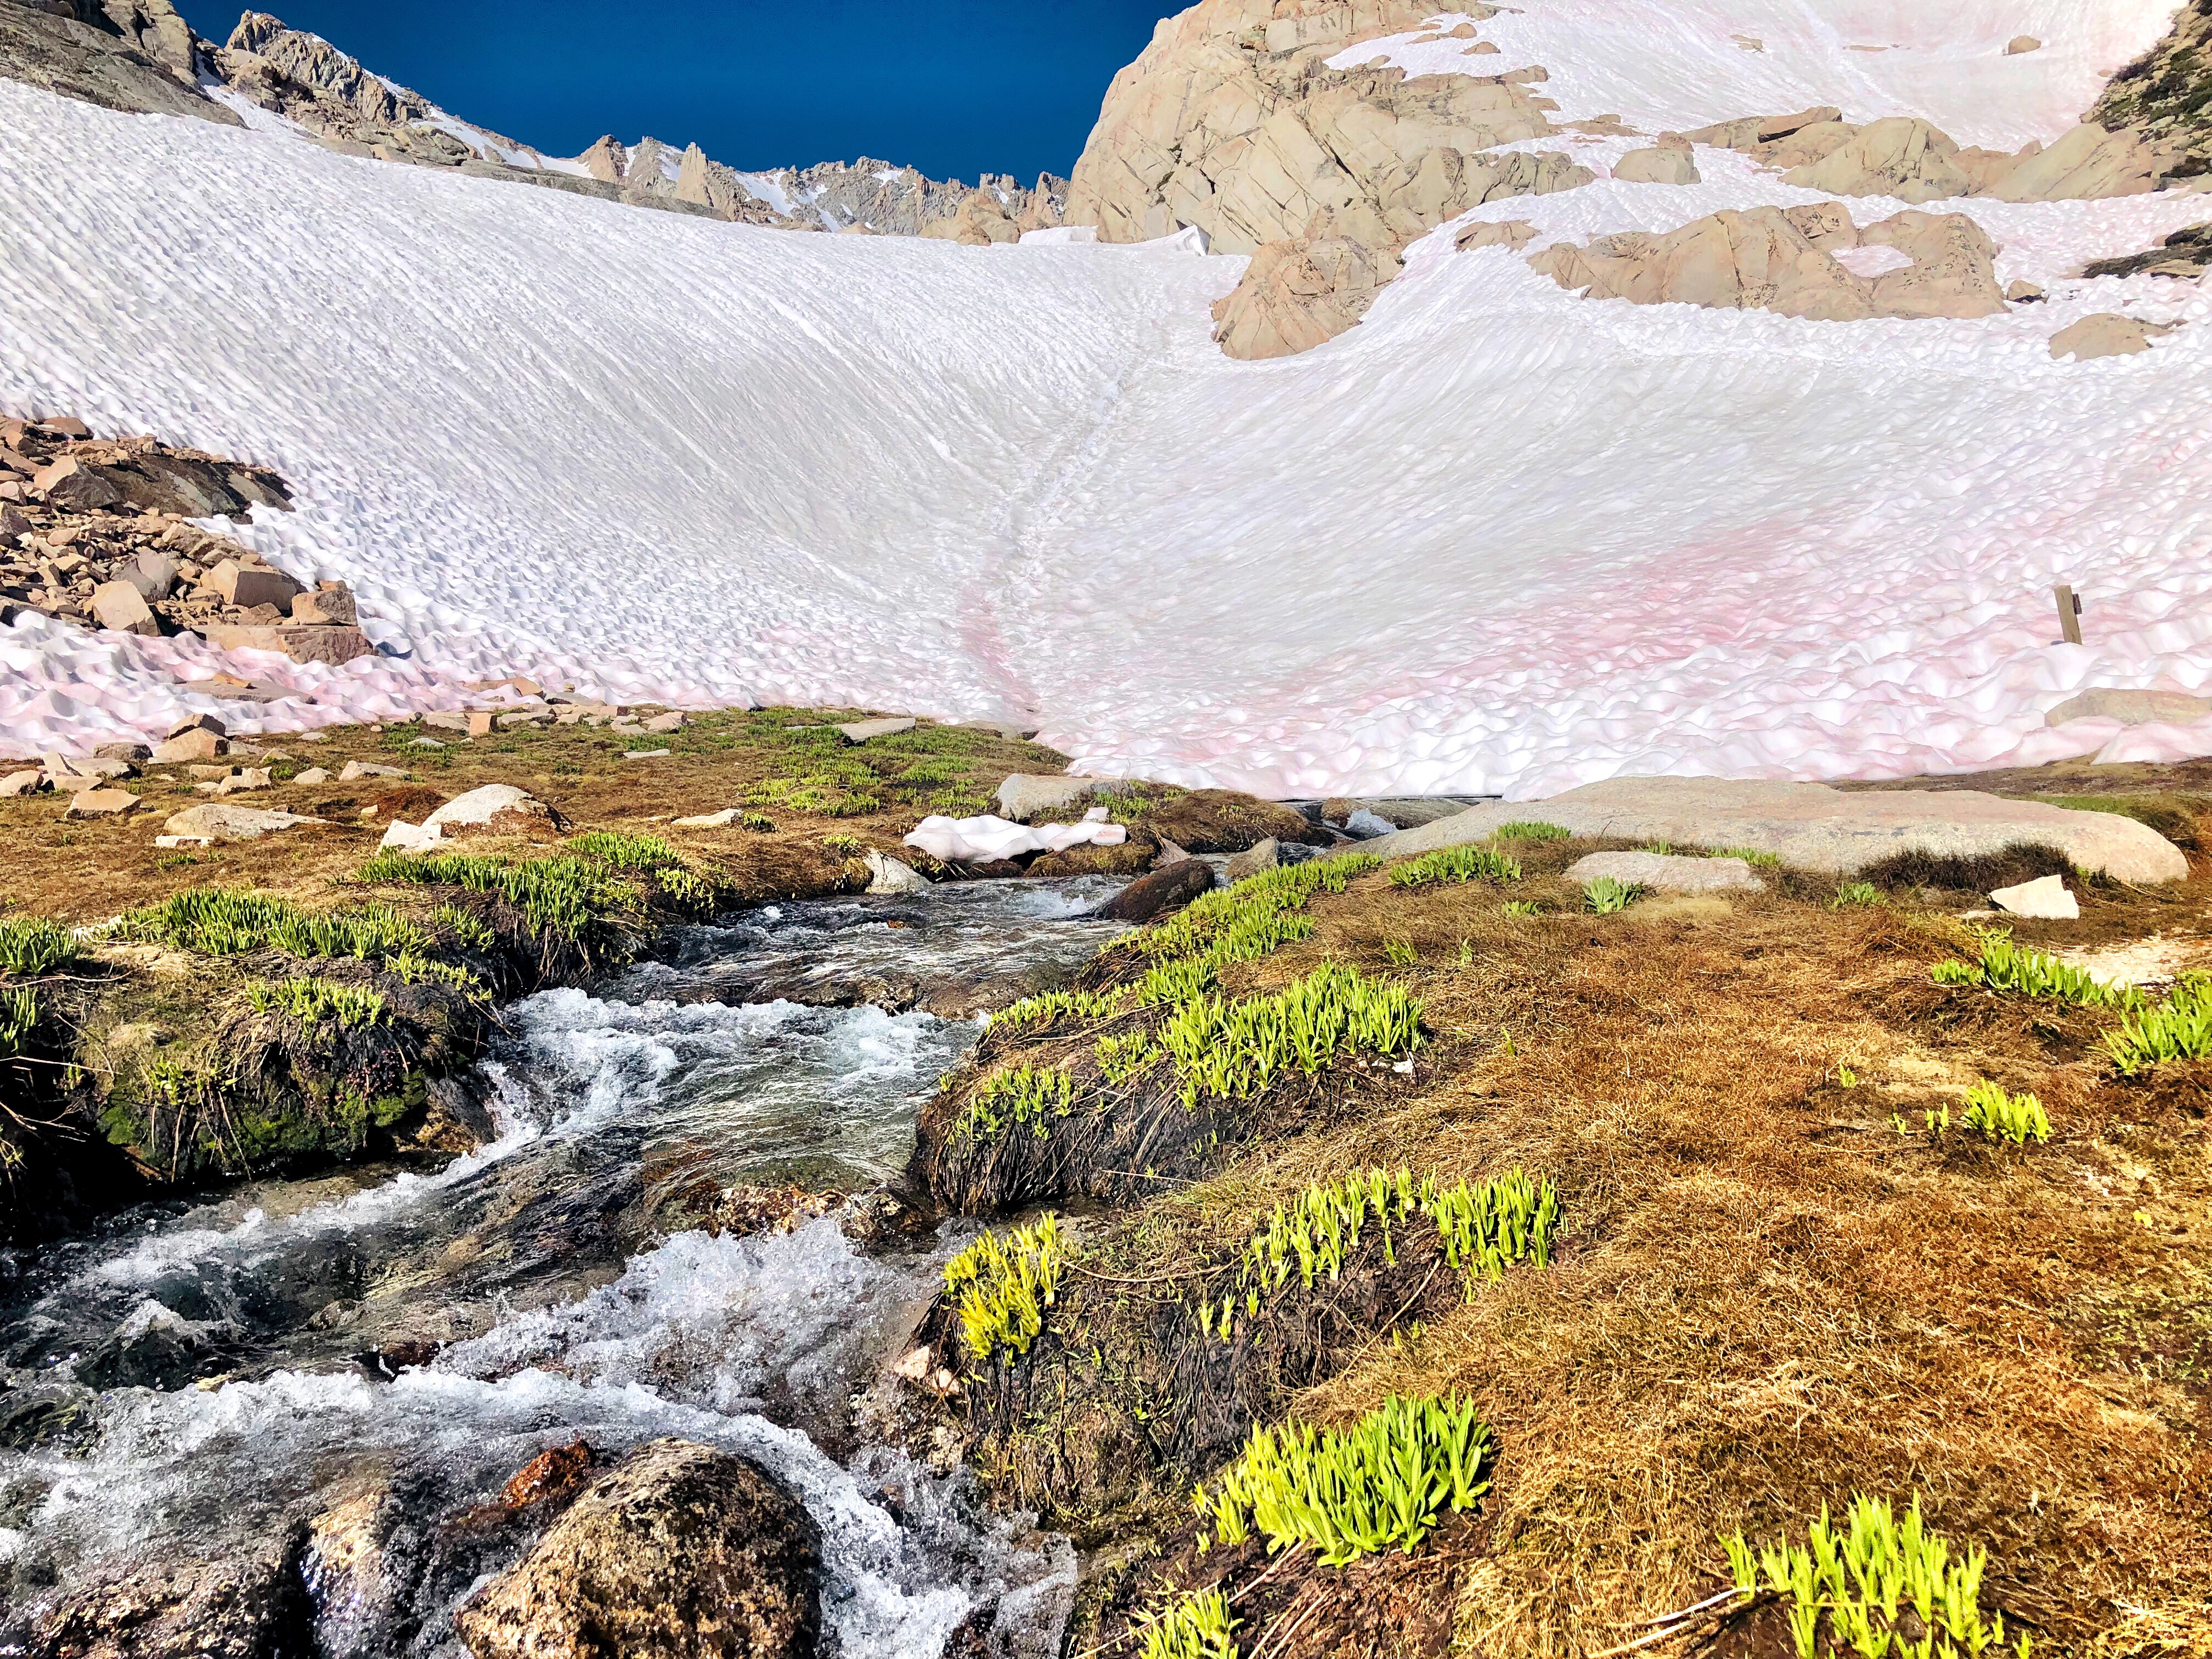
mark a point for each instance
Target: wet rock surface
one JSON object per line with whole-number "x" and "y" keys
{"x": 685, "y": 1551}
{"x": 250, "y": 1605}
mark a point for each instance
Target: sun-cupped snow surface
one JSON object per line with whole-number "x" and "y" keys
{"x": 1497, "y": 537}
{"x": 1686, "y": 63}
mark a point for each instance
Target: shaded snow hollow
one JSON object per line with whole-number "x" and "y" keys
{"x": 1497, "y": 538}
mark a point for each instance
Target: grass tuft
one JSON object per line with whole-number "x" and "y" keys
{"x": 32, "y": 945}
{"x": 1233, "y": 1050}
{"x": 213, "y": 921}
{"x": 1456, "y": 864}
{"x": 570, "y": 896}
{"x": 1862, "y": 1574}
{"x": 1608, "y": 896}
{"x": 311, "y": 1001}
{"x": 1999, "y": 1116}
{"x": 1199, "y": 1626}
{"x": 1021, "y": 1094}
{"x": 1002, "y": 1286}
{"x": 1532, "y": 832}
{"x": 1386, "y": 1480}
{"x": 2005, "y": 967}
{"x": 1856, "y": 896}
{"x": 2180, "y": 1028}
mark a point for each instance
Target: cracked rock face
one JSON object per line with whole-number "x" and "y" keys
{"x": 1766, "y": 259}
{"x": 138, "y": 55}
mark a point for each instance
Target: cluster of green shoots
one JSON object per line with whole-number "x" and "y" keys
{"x": 2180, "y": 1028}
{"x": 32, "y": 945}
{"x": 1049, "y": 1005}
{"x": 845, "y": 846}
{"x": 1251, "y": 920}
{"x": 1609, "y": 896}
{"x": 467, "y": 927}
{"x": 1532, "y": 832}
{"x": 630, "y": 854}
{"x": 1757, "y": 858}
{"x": 311, "y": 1001}
{"x": 1523, "y": 908}
{"x": 1021, "y": 1094}
{"x": 412, "y": 968}
{"x": 2018, "y": 1119}
{"x": 1199, "y": 1626}
{"x": 2005, "y": 967}
{"x": 18, "y": 1014}
{"x": 1856, "y": 895}
{"x": 1002, "y": 1284}
{"x": 1234, "y": 1050}
{"x": 1386, "y": 1480}
{"x": 1121, "y": 1058}
{"x": 214, "y": 921}
{"x": 1861, "y": 1575}
{"x": 559, "y": 895}
{"x": 1456, "y": 864}
{"x": 1483, "y": 1228}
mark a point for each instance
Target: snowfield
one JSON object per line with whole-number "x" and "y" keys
{"x": 1497, "y": 538}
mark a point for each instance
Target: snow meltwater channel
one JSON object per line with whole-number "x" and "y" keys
{"x": 561, "y": 1271}
{"x": 1497, "y": 537}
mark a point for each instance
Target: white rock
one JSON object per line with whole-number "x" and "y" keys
{"x": 219, "y": 820}
{"x": 892, "y": 876}
{"x": 184, "y": 841}
{"x": 354, "y": 770}
{"x": 721, "y": 820}
{"x": 645, "y": 754}
{"x": 313, "y": 774}
{"x": 1367, "y": 825}
{"x": 1026, "y": 795}
{"x": 28, "y": 782}
{"x": 861, "y": 731}
{"x": 2044, "y": 899}
{"x": 400, "y": 836}
{"x": 2132, "y": 707}
{"x": 480, "y": 806}
{"x": 1668, "y": 873}
{"x": 1813, "y": 827}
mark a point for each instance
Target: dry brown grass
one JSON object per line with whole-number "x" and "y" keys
{"x": 90, "y": 871}
{"x": 1767, "y": 1299}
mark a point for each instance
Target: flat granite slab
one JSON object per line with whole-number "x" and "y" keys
{"x": 1813, "y": 827}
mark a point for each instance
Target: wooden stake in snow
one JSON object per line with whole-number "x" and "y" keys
{"x": 2069, "y": 613}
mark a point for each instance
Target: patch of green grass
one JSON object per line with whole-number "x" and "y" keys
{"x": 1456, "y": 864}
{"x": 570, "y": 897}
{"x": 2007, "y": 968}
{"x": 1400, "y": 952}
{"x": 1519, "y": 832}
{"x": 217, "y": 922}
{"x": 19, "y": 1017}
{"x": 758, "y": 822}
{"x": 1607, "y": 896}
{"x": 1001, "y": 1286}
{"x": 1018, "y": 1094}
{"x": 311, "y": 1001}
{"x": 1122, "y": 1058}
{"x": 2180, "y": 1028}
{"x": 471, "y": 929}
{"x": 1483, "y": 1228}
{"x": 845, "y": 846}
{"x": 1251, "y": 919}
{"x": 411, "y": 968}
{"x": 1523, "y": 908}
{"x": 1049, "y": 1005}
{"x": 1233, "y": 1050}
{"x": 1664, "y": 849}
{"x": 1857, "y": 895}
{"x": 1386, "y": 1480}
{"x": 33, "y": 945}
{"x": 1999, "y": 1116}
{"x": 1197, "y": 1627}
{"x": 1860, "y": 1576}
{"x": 1750, "y": 855}
{"x": 631, "y": 855}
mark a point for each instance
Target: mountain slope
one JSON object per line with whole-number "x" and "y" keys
{"x": 1500, "y": 536}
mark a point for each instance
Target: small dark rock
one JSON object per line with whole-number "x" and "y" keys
{"x": 1164, "y": 890}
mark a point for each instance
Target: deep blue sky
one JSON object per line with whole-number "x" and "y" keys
{"x": 953, "y": 87}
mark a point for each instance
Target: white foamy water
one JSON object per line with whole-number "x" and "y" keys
{"x": 568, "y": 1315}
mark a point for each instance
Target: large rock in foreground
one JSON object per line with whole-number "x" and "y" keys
{"x": 252, "y": 1605}
{"x": 1816, "y": 827}
{"x": 681, "y": 1553}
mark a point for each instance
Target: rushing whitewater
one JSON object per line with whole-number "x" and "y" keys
{"x": 1498, "y": 537}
